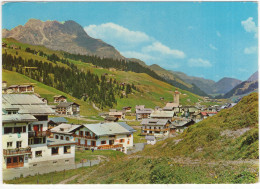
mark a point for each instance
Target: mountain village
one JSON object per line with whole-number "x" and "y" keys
{"x": 33, "y": 140}
{"x": 152, "y": 93}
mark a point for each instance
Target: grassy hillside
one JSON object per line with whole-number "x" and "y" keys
{"x": 220, "y": 149}
{"x": 150, "y": 89}
{"x": 45, "y": 91}
{"x": 232, "y": 134}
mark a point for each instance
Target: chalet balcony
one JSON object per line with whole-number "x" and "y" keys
{"x": 106, "y": 147}
{"x": 151, "y": 134}
{"x": 17, "y": 151}
{"x": 32, "y": 134}
{"x": 84, "y": 145}
{"x": 84, "y": 137}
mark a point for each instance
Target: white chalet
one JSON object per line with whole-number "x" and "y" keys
{"x": 102, "y": 136}
{"x": 25, "y": 138}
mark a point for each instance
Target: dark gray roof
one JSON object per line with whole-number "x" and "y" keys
{"x": 58, "y": 119}
{"x": 144, "y": 111}
{"x": 65, "y": 104}
{"x": 126, "y": 126}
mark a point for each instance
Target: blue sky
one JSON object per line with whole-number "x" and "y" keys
{"x": 208, "y": 39}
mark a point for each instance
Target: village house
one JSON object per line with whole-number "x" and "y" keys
{"x": 4, "y": 84}
{"x": 68, "y": 108}
{"x": 197, "y": 117}
{"x": 211, "y": 113}
{"x": 103, "y": 136}
{"x": 55, "y": 121}
{"x": 204, "y": 115}
{"x": 111, "y": 119}
{"x": 188, "y": 111}
{"x": 156, "y": 127}
{"x": 117, "y": 114}
{"x": 59, "y": 98}
{"x": 127, "y": 108}
{"x": 26, "y": 141}
{"x": 20, "y": 89}
{"x": 180, "y": 125}
{"x": 143, "y": 113}
{"x": 169, "y": 115}
{"x": 150, "y": 139}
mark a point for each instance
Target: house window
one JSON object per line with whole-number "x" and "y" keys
{"x": 18, "y": 144}
{"x": 9, "y": 144}
{"x": 129, "y": 135}
{"x": 103, "y": 142}
{"x": 54, "y": 150}
{"x": 122, "y": 140}
{"x": 38, "y": 153}
{"x": 67, "y": 138}
{"x": 67, "y": 149}
{"x": 24, "y": 129}
{"x": 128, "y": 142}
{"x": 8, "y": 130}
{"x": 61, "y": 137}
{"x": 56, "y": 137}
{"x": 17, "y": 129}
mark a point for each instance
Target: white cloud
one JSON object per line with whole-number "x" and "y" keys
{"x": 250, "y": 26}
{"x": 213, "y": 47}
{"x": 250, "y": 50}
{"x": 198, "y": 62}
{"x": 218, "y": 34}
{"x": 159, "y": 47}
{"x": 111, "y": 32}
{"x": 139, "y": 55}
{"x": 133, "y": 44}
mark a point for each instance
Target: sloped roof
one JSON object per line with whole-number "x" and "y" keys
{"x": 12, "y": 118}
{"x": 58, "y": 119}
{"x": 65, "y": 104}
{"x": 65, "y": 128}
{"x": 112, "y": 128}
{"x": 126, "y": 126}
{"x": 144, "y": 111}
{"x": 154, "y": 122}
{"x": 180, "y": 123}
{"x": 26, "y": 104}
{"x": 172, "y": 105}
{"x": 115, "y": 113}
{"x": 162, "y": 114}
{"x": 204, "y": 113}
{"x": 58, "y": 96}
{"x": 57, "y": 142}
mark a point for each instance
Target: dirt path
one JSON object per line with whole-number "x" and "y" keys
{"x": 189, "y": 161}
{"x": 69, "y": 179}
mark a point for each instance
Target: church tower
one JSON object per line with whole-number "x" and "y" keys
{"x": 176, "y": 97}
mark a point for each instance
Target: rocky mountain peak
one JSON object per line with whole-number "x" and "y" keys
{"x": 68, "y": 36}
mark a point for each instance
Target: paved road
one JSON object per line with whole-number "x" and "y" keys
{"x": 9, "y": 174}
